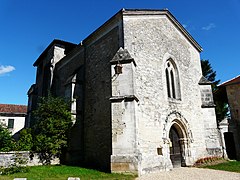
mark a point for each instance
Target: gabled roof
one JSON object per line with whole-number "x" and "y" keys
{"x": 119, "y": 15}
{"x": 171, "y": 18}
{"x": 235, "y": 80}
{"x": 13, "y": 109}
{"x": 129, "y": 12}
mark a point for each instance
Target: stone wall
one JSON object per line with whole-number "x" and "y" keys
{"x": 151, "y": 41}
{"x": 68, "y": 83}
{"x": 233, "y": 94}
{"x": 97, "y": 118}
{"x": 7, "y": 158}
{"x": 89, "y": 66}
{"x": 124, "y": 103}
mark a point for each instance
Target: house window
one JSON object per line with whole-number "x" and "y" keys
{"x": 172, "y": 80}
{"x": 10, "y": 123}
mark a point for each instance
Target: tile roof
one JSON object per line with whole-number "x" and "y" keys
{"x": 235, "y": 80}
{"x": 13, "y": 109}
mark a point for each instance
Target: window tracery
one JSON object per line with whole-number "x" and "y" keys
{"x": 172, "y": 80}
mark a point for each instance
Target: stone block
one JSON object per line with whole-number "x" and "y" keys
{"x": 73, "y": 178}
{"x": 120, "y": 167}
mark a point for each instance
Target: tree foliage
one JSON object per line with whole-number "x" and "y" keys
{"x": 7, "y": 143}
{"x": 53, "y": 121}
{"x": 209, "y": 73}
{"x": 25, "y": 141}
{"x": 221, "y": 106}
{"x": 222, "y": 110}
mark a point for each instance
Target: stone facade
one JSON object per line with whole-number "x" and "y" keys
{"x": 230, "y": 91}
{"x": 140, "y": 103}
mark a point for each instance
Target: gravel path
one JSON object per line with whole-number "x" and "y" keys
{"x": 191, "y": 174}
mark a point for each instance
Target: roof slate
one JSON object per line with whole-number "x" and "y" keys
{"x": 204, "y": 81}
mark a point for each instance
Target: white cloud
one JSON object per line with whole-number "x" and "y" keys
{"x": 6, "y": 69}
{"x": 209, "y": 26}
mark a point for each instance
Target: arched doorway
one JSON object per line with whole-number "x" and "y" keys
{"x": 230, "y": 145}
{"x": 177, "y": 146}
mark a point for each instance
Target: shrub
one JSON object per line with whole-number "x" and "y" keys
{"x": 25, "y": 141}
{"x": 53, "y": 121}
{"x": 7, "y": 143}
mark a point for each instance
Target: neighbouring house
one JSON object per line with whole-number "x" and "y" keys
{"x": 13, "y": 117}
{"x": 139, "y": 100}
{"x": 229, "y": 92}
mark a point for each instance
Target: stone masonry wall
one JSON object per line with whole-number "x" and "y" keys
{"x": 65, "y": 70}
{"x": 7, "y": 158}
{"x": 233, "y": 94}
{"x": 151, "y": 40}
{"x": 124, "y": 129}
{"x": 97, "y": 120}
{"x": 85, "y": 76}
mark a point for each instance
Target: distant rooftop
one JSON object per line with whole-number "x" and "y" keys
{"x": 13, "y": 109}
{"x": 235, "y": 80}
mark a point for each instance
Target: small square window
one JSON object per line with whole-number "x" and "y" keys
{"x": 159, "y": 151}
{"x": 10, "y": 123}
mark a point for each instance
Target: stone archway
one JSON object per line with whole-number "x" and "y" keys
{"x": 176, "y": 150}
{"x": 178, "y": 145}
{"x": 177, "y": 134}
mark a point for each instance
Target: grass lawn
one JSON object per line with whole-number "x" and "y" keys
{"x": 63, "y": 172}
{"x": 233, "y": 166}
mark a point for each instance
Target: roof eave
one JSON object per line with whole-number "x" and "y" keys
{"x": 228, "y": 82}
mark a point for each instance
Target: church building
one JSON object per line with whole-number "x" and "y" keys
{"x": 139, "y": 100}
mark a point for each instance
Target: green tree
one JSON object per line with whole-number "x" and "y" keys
{"x": 53, "y": 122}
{"x": 25, "y": 141}
{"x": 221, "y": 106}
{"x": 7, "y": 143}
{"x": 209, "y": 73}
{"x": 222, "y": 110}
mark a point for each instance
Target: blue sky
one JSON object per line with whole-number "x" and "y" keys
{"x": 27, "y": 27}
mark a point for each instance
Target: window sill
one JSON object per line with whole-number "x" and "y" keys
{"x": 172, "y": 100}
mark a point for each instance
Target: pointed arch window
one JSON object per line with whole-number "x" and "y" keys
{"x": 168, "y": 85}
{"x": 172, "y": 80}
